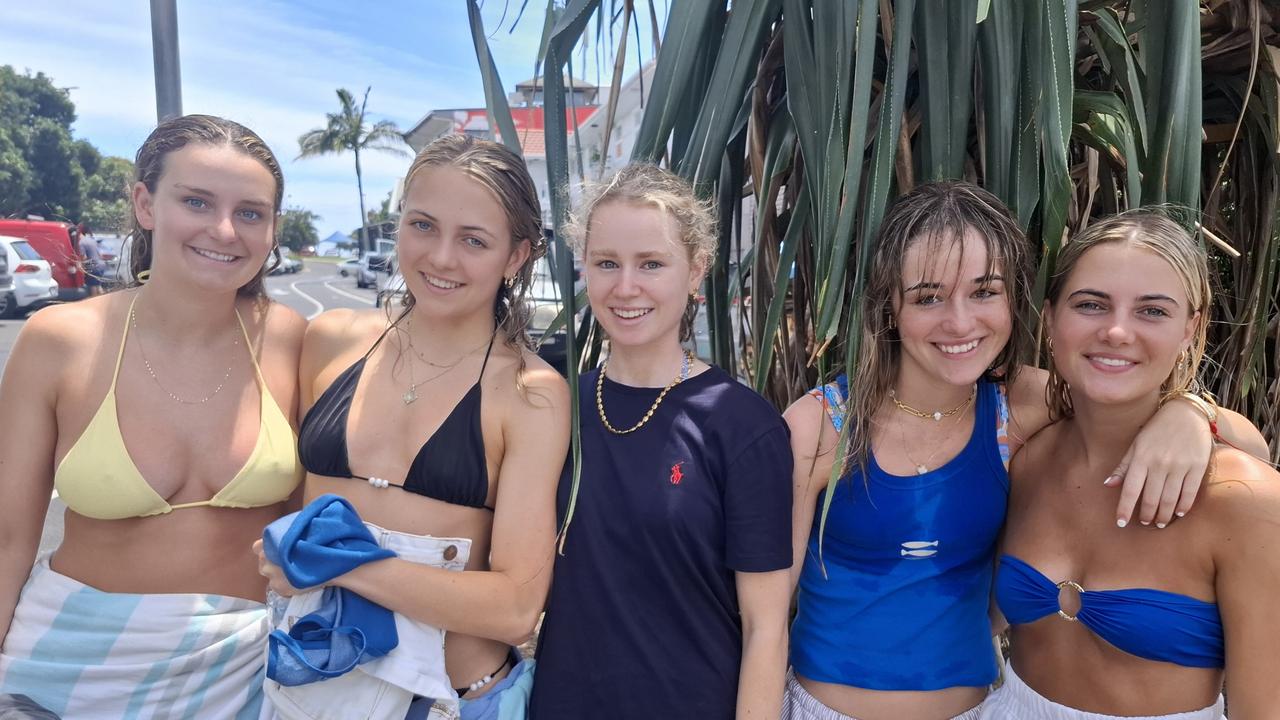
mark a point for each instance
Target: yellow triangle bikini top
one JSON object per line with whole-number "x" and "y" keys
{"x": 98, "y": 479}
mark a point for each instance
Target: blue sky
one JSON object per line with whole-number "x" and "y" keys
{"x": 274, "y": 65}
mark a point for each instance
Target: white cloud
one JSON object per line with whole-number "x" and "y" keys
{"x": 274, "y": 65}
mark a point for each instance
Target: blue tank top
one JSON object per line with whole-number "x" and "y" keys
{"x": 909, "y": 565}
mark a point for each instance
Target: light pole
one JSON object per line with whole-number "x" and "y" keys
{"x": 164, "y": 51}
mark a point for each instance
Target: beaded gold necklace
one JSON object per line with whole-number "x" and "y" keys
{"x": 684, "y": 375}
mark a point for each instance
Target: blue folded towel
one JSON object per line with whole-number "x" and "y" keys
{"x": 324, "y": 540}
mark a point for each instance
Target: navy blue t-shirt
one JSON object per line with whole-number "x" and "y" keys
{"x": 643, "y": 618}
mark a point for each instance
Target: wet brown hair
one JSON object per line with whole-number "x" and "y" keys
{"x": 643, "y": 184}
{"x": 176, "y": 133}
{"x": 939, "y": 214}
{"x": 505, "y": 175}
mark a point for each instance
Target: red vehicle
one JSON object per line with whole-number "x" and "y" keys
{"x": 58, "y": 243}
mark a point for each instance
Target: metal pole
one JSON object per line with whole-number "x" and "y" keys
{"x": 164, "y": 50}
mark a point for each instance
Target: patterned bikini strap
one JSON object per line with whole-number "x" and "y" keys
{"x": 1002, "y": 423}
{"x": 833, "y": 402}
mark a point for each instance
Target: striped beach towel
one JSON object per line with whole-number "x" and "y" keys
{"x": 84, "y": 653}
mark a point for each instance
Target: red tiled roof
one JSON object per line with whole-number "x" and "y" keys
{"x": 532, "y": 142}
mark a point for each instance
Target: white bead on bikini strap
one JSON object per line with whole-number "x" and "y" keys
{"x": 480, "y": 683}
{"x": 378, "y": 482}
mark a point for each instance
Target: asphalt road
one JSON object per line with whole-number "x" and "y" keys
{"x": 316, "y": 289}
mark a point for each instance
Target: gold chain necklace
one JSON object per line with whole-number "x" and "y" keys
{"x": 408, "y": 331}
{"x": 411, "y": 395}
{"x": 235, "y": 342}
{"x": 936, "y": 415}
{"x": 684, "y": 375}
{"x": 923, "y": 467}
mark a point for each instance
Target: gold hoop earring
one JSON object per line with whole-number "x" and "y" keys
{"x": 510, "y": 282}
{"x": 143, "y": 276}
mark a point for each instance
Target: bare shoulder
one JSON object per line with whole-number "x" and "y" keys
{"x": 806, "y": 418}
{"x": 1035, "y": 457}
{"x": 56, "y": 332}
{"x": 1241, "y": 491}
{"x": 543, "y": 387}
{"x": 1028, "y": 410}
{"x": 274, "y": 327}
{"x": 336, "y": 332}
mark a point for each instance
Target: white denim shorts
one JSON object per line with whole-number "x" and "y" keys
{"x": 798, "y": 704}
{"x": 380, "y": 689}
{"x": 1015, "y": 700}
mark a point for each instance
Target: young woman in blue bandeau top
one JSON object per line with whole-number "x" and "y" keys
{"x": 895, "y": 568}
{"x": 1107, "y": 623}
{"x": 162, "y": 416}
{"x": 444, "y": 422}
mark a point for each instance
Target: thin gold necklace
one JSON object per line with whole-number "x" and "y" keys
{"x": 411, "y": 395}
{"x": 936, "y": 415}
{"x": 408, "y": 331}
{"x": 923, "y": 467}
{"x": 235, "y": 342}
{"x": 684, "y": 375}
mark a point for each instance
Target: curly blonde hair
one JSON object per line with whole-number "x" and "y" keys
{"x": 643, "y": 184}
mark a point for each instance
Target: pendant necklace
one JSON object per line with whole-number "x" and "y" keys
{"x": 922, "y": 468}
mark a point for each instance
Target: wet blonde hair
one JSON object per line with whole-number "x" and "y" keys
{"x": 1149, "y": 229}
{"x": 645, "y": 185}
{"x": 504, "y": 174}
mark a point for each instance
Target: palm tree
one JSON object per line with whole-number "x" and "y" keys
{"x": 346, "y": 131}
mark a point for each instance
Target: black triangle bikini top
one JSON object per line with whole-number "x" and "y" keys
{"x": 450, "y": 466}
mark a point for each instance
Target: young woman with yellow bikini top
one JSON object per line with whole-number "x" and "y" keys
{"x": 162, "y": 416}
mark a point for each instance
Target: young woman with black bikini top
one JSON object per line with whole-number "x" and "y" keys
{"x": 444, "y": 422}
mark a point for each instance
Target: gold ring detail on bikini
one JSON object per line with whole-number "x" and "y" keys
{"x": 1079, "y": 590}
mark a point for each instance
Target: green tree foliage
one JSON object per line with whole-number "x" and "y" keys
{"x": 349, "y": 130}
{"x": 43, "y": 169}
{"x": 296, "y": 229}
{"x": 106, "y": 196}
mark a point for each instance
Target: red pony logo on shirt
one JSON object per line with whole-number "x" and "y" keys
{"x": 676, "y": 474}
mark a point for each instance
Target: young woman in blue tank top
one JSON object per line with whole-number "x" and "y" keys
{"x": 1098, "y": 612}
{"x": 670, "y": 597}
{"x": 445, "y": 423}
{"x": 892, "y": 611}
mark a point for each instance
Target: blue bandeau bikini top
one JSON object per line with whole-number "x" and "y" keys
{"x": 1151, "y": 624}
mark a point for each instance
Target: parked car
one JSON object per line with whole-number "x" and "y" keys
{"x": 6, "y": 280}
{"x": 289, "y": 263}
{"x": 347, "y": 268}
{"x": 59, "y": 244}
{"x": 32, "y": 283}
{"x": 368, "y": 268}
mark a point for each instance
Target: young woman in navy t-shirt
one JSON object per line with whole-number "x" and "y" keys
{"x": 892, "y": 610}
{"x": 671, "y": 596}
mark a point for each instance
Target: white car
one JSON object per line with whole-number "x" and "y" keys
{"x": 32, "y": 283}
{"x": 347, "y": 268}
